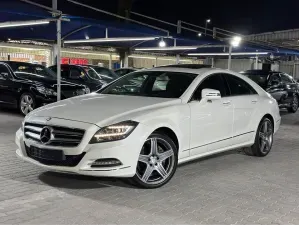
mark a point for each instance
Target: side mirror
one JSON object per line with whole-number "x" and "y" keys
{"x": 210, "y": 94}
{"x": 4, "y": 76}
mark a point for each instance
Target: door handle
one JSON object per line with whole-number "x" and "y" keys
{"x": 254, "y": 101}
{"x": 226, "y": 103}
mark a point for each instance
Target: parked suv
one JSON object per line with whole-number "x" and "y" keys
{"x": 27, "y": 86}
{"x": 93, "y": 77}
{"x": 280, "y": 85}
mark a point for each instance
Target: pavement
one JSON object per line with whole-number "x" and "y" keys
{"x": 229, "y": 188}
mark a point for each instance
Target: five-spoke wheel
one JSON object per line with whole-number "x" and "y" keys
{"x": 294, "y": 104}
{"x": 27, "y": 103}
{"x": 266, "y": 136}
{"x": 157, "y": 161}
{"x": 263, "y": 140}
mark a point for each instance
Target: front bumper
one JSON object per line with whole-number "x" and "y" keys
{"x": 126, "y": 151}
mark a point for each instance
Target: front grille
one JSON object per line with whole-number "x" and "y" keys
{"x": 60, "y": 136}
{"x": 69, "y": 160}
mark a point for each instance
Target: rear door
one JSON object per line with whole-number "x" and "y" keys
{"x": 211, "y": 121}
{"x": 244, "y": 99}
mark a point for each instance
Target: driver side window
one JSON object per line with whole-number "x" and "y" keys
{"x": 4, "y": 73}
{"x": 216, "y": 82}
{"x": 274, "y": 79}
{"x": 75, "y": 74}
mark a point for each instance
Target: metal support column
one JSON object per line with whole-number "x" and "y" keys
{"x": 110, "y": 61}
{"x": 58, "y": 56}
{"x": 256, "y": 62}
{"x": 230, "y": 57}
{"x": 179, "y": 29}
{"x": 212, "y": 62}
{"x": 126, "y": 60}
{"x": 156, "y": 62}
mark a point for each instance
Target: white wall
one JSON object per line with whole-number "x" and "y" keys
{"x": 237, "y": 65}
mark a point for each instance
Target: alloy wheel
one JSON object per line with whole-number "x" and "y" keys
{"x": 295, "y": 103}
{"x": 27, "y": 104}
{"x": 266, "y": 137}
{"x": 156, "y": 161}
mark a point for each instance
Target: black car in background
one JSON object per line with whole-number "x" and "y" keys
{"x": 27, "y": 86}
{"x": 280, "y": 85}
{"x": 94, "y": 77}
{"x": 123, "y": 71}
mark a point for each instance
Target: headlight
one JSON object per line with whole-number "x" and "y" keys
{"x": 46, "y": 91}
{"x": 114, "y": 132}
{"x": 87, "y": 90}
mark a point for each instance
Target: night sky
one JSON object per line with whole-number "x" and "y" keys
{"x": 245, "y": 17}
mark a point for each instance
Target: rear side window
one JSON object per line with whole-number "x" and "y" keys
{"x": 238, "y": 86}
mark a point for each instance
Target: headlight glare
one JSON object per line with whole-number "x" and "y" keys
{"x": 46, "y": 91}
{"x": 114, "y": 132}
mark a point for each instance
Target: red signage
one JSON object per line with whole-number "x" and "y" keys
{"x": 75, "y": 61}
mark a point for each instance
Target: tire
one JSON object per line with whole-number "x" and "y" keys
{"x": 156, "y": 165}
{"x": 294, "y": 104}
{"x": 263, "y": 139}
{"x": 27, "y": 103}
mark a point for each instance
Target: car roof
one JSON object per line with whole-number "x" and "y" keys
{"x": 258, "y": 72}
{"x": 188, "y": 66}
{"x": 20, "y": 63}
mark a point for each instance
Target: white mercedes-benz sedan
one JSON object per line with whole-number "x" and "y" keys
{"x": 145, "y": 123}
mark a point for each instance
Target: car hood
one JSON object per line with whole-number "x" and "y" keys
{"x": 101, "y": 109}
{"x": 48, "y": 82}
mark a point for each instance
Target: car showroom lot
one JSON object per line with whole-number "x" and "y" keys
{"x": 227, "y": 188}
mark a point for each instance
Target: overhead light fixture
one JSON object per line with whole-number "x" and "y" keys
{"x": 162, "y": 43}
{"x": 23, "y": 23}
{"x": 235, "y": 42}
{"x": 225, "y": 54}
{"x": 199, "y": 34}
{"x": 120, "y": 39}
{"x": 88, "y": 53}
{"x": 141, "y": 57}
{"x": 208, "y": 20}
{"x": 175, "y": 48}
{"x": 25, "y": 48}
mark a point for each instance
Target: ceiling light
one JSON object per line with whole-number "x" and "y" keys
{"x": 88, "y": 53}
{"x": 120, "y": 39}
{"x": 141, "y": 57}
{"x": 162, "y": 43}
{"x": 175, "y": 48}
{"x": 199, "y": 34}
{"x": 208, "y": 20}
{"x": 224, "y": 54}
{"x": 24, "y": 23}
{"x": 235, "y": 42}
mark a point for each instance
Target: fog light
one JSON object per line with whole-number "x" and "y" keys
{"x": 106, "y": 163}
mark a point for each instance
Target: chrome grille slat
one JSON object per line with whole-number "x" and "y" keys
{"x": 36, "y": 129}
{"x": 33, "y": 135}
{"x": 61, "y": 136}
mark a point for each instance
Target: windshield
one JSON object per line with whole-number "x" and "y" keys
{"x": 159, "y": 84}
{"x": 32, "y": 69}
{"x": 105, "y": 73}
{"x": 260, "y": 79}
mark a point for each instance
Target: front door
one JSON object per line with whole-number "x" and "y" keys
{"x": 211, "y": 121}
{"x": 7, "y": 95}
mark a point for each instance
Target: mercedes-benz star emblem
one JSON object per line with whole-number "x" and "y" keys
{"x": 45, "y": 135}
